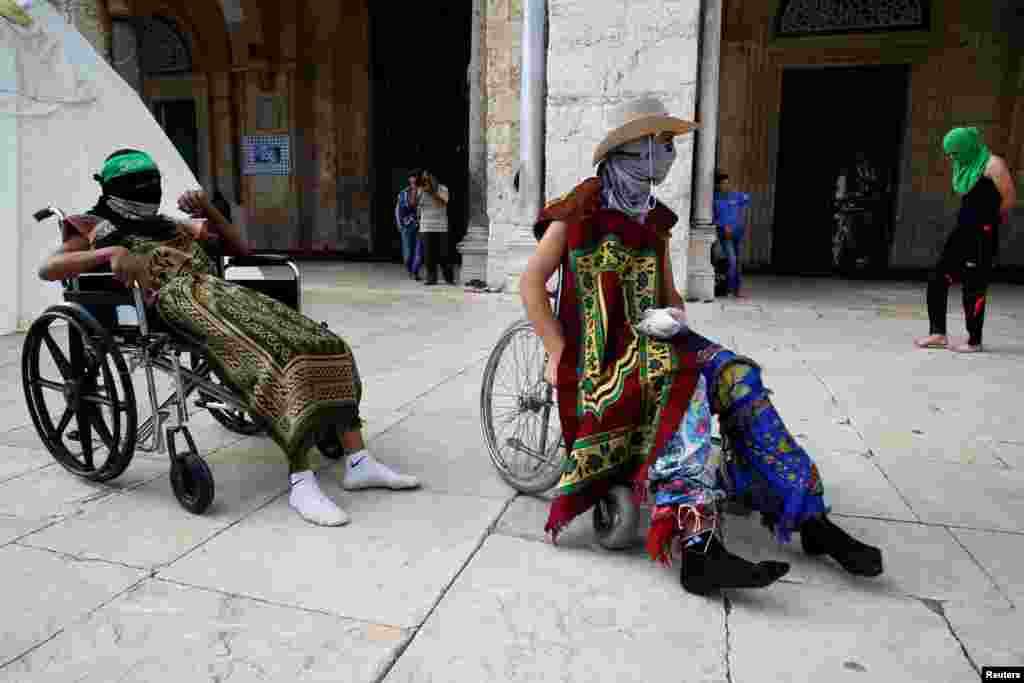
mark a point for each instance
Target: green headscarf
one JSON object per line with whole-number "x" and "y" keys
{"x": 970, "y": 157}
{"x": 126, "y": 162}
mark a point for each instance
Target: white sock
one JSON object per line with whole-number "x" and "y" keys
{"x": 309, "y": 501}
{"x": 362, "y": 471}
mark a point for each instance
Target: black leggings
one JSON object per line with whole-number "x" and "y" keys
{"x": 435, "y": 253}
{"x": 967, "y": 257}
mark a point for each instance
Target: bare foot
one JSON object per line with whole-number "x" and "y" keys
{"x": 932, "y": 341}
{"x": 965, "y": 347}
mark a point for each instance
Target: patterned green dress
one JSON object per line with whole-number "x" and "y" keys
{"x": 299, "y": 377}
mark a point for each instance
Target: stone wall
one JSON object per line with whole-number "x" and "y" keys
{"x": 502, "y": 45}
{"x": 601, "y": 54}
{"x": 965, "y": 71}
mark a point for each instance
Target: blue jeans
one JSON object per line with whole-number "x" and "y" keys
{"x": 409, "y": 238}
{"x": 731, "y": 248}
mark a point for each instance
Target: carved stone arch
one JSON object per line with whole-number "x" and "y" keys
{"x": 202, "y": 26}
{"x": 163, "y": 48}
{"x": 830, "y": 17}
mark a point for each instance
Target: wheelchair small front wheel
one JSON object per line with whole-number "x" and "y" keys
{"x": 616, "y": 519}
{"x": 192, "y": 482}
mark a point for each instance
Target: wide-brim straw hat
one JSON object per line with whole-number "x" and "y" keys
{"x": 637, "y": 119}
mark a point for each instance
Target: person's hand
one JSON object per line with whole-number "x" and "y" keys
{"x": 551, "y": 369}
{"x": 728, "y": 232}
{"x": 195, "y": 203}
{"x": 126, "y": 266}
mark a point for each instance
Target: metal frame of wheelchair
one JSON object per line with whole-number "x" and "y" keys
{"x": 521, "y": 427}
{"x": 107, "y": 323}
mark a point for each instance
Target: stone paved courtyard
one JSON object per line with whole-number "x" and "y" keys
{"x": 921, "y": 454}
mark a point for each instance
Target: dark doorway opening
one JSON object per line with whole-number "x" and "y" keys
{"x": 420, "y": 102}
{"x": 178, "y": 119}
{"x": 838, "y": 122}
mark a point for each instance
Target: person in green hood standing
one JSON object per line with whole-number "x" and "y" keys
{"x": 988, "y": 193}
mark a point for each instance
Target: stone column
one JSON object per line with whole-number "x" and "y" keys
{"x": 474, "y": 246}
{"x": 700, "y": 277}
{"x": 533, "y": 82}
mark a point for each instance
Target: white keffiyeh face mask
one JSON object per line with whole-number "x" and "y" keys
{"x": 630, "y": 173}
{"x": 132, "y": 211}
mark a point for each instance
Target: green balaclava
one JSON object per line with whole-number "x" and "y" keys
{"x": 970, "y": 157}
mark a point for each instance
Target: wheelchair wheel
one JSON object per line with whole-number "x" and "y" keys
{"x": 94, "y": 395}
{"x": 237, "y": 421}
{"x": 518, "y": 412}
{"x": 192, "y": 482}
{"x": 616, "y": 518}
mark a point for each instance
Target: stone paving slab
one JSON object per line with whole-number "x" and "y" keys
{"x": 855, "y": 486}
{"x": 50, "y": 591}
{"x": 18, "y": 461}
{"x": 991, "y": 636}
{"x": 388, "y": 565}
{"x": 147, "y": 527}
{"x": 797, "y": 633}
{"x": 538, "y": 612}
{"x": 959, "y": 495}
{"x": 1001, "y": 555}
{"x": 920, "y": 561}
{"x": 12, "y": 528}
{"x": 160, "y": 632}
{"x": 446, "y": 454}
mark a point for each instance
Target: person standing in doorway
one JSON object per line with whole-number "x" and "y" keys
{"x": 408, "y": 222}
{"x": 729, "y": 219}
{"x": 433, "y": 208}
{"x": 986, "y": 185}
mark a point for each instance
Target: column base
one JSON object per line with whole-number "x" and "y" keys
{"x": 700, "y": 274}
{"x": 474, "y": 253}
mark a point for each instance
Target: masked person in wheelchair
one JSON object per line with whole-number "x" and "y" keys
{"x": 294, "y": 374}
{"x": 636, "y": 389}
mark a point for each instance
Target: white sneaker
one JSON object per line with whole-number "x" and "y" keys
{"x": 362, "y": 471}
{"x": 309, "y": 501}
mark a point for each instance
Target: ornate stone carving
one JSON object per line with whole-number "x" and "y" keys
{"x": 817, "y": 17}
{"x": 162, "y": 48}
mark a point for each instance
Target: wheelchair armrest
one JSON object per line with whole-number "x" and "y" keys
{"x": 253, "y": 260}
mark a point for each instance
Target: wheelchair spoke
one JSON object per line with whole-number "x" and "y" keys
{"x": 49, "y": 384}
{"x": 63, "y": 366}
{"x": 65, "y": 419}
{"x": 104, "y": 432}
{"x": 85, "y": 437}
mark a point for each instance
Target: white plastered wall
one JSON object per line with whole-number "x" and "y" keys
{"x": 71, "y": 110}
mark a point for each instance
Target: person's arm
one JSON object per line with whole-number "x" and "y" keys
{"x": 74, "y": 257}
{"x": 533, "y": 290}
{"x": 398, "y": 211}
{"x": 197, "y": 203}
{"x": 1000, "y": 174}
{"x": 442, "y": 194}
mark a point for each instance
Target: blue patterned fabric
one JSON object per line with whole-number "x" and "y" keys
{"x": 769, "y": 470}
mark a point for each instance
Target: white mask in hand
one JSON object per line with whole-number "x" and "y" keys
{"x": 662, "y": 323}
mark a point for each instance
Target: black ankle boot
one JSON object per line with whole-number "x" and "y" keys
{"x": 819, "y": 536}
{"x": 706, "y": 571}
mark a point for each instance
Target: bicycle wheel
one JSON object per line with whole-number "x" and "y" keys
{"x": 518, "y": 412}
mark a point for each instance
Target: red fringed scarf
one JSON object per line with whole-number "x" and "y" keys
{"x": 613, "y": 385}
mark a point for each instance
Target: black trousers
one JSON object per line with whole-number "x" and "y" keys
{"x": 967, "y": 257}
{"x": 435, "y": 253}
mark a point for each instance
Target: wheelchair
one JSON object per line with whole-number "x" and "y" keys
{"x": 521, "y": 427}
{"x": 96, "y": 339}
